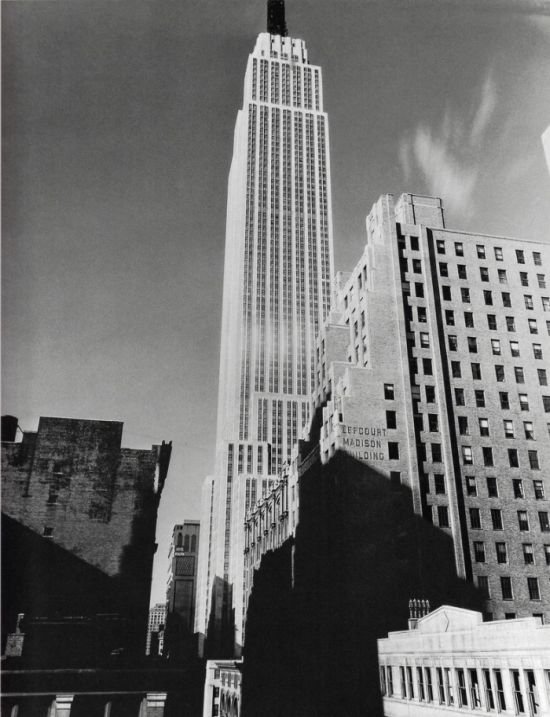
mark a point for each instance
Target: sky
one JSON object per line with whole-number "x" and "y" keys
{"x": 118, "y": 123}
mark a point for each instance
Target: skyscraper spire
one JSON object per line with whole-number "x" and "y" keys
{"x": 276, "y": 24}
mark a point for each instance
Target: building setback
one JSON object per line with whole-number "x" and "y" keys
{"x": 277, "y": 282}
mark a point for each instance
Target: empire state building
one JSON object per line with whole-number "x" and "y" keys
{"x": 277, "y": 282}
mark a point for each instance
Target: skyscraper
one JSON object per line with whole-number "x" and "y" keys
{"x": 277, "y": 282}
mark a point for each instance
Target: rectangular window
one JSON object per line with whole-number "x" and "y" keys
{"x": 471, "y": 486}
{"x": 498, "y": 253}
{"x": 524, "y": 278}
{"x": 513, "y": 459}
{"x": 450, "y": 317}
{"x": 496, "y": 518}
{"x": 455, "y": 369}
{"x": 533, "y": 460}
{"x": 483, "y": 426}
{"x": 504, "y": 400}
{"x": 420, "y": 679}
{"x": 433, "y": 422}
{"x": 543, "y": 378}
{"x": 463, "y": 427}
{"x": 446, "y": 293}
{"x": 439, "y": 483}
{"x": 443, "y": 269}
{"x": 479, "y": 551}
{"x": 510, "y": 323}
{"x": 393, "y": 451}
{"x": 419, "y": 290}
{"x": 468, "y": 320}
{"x": 427, "y": 367}
{"x": 537, "y": 351}
{"x": 520, "y": 257}
{"x": 528, "y": 301}
{"x": 502, "y": 553}
{"x": 528, "y": 554}
{"x": 475, "y": 519}
{"x": 547, "y": 554}
{"x": 436, "y": 452}
{"x": 459, "y": 248}
{"x": 391, "y": 419}
{"x": 453, "y": 342}
{"x": 476, "y": 371}
{"x": 388, "y": 391}
{"x": 467, "y": 456}
{"x": 501, "y": 701}
{"x": 543, "y": 521}
{"x": 533, "y": 587}
{"x": 492, "y": 322}
{"x": 517, "y": 485}
{"x": 443, "y": 516}
{"x": 502, "y": 278}
{"x": 506, "y": 588}
{"x": 440, "y": 685}
{"x": 440, "y": 245}
{"x": 472, "y": 344}
{"x": 421, "y": 313}
{"x": 465, "y": 295}
{"x": 484, "y": 273}
{"x": 492, "y": 487}
{"x": 546, "y": 403}
{"x": 417, "y": 266}
{"x": 429, "y": 688}
{"x": 459, "y": 397}
{"x": 523, "y": 401}
{"x": 514, "y": 348}
{"x": 541, "y": 281}
{"x": 480, "y": 251}
{"x": 480, "y": 398}
{"x": 488, "y": 297}
{"x": 495, "y": 347}
{"x": 538, "y": 489}
{"x": 519, "y": 374}
{"x": 461, "y": 270}
{"x": 430, "y": 394}
{"x": 499, "y": 373}
{"x": 506, "y": 300}
{"x": 509, "y": 428}
{"x": 410, "y": 683}
{"x": 483, "y": 585}
{"x": 537, "y": 258}
{"x": 523, "y": 520}
{"x": 462, "y": 692}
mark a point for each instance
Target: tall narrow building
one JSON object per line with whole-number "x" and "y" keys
{"x": 277, "y": 282}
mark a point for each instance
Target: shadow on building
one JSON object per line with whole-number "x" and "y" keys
{"x": 320, "y": 602}
{"x": 219, "y": 641}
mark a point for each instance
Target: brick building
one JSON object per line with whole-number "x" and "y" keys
{"x": 182, "y": 590}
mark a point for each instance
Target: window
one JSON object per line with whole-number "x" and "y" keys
{"x": 498, "y": 253}
{"x": 502, "y": 278}
{"x": 502, "y": 553}
{"x": 488, "y": 297}
{"x": 433, "y": 422}
{"x": 528, "y": 430}
{"x": 480, "y": 251}
{"x": 484, "y": 273}
{"x": 47, "y": 532}
{"x": 427, "y": 366}
{"x": 472, "y": 344}
{"x": 468, "y": 320}
{"x": 499, "y": 373}
{"x": 495, "y": 347}
{"x": 533, "y": 328}
{"x": 538, "y": 489}
{"x": 480, "y": 398}
{"x": 414, "y": 243}
{"x": 476, "y": 371}
{"x": 520, "y": 256}
{"x": 543, "y": 520}
{"x": 523, "y": 401}
{"x": 463, "y": 427}
{"x": 517, "y": 485}
{"x": 443, "y": 269}
{"x": 541, "y": 281}
{"x": 453, "y": 342}
{"x": 388, "y": 391}
{"x": 459, "y": 248}
{"x": 533, "y": 587}
{"x": 492, "y": 322}
{"x": 479, "y": 551}
{"x": 514, "y": 348}
{"x": 510, "y": 323}
{"x": 506, "y": 588}
{"x": 462, "y": 692}
{"x": 523, "y": 520}
{"x": 509, "y": 429}
{"x": 465, "y": 295}
{"x": 471, "y": 486}
{"x": 537, "y": 260}
{"x": 440, "y": 244}
{"x": 446, "y": 293}
{"x": 417, "y": 266}
{"x": 528, "y": 554}
{"x": 519, "y": 374}
{"x": 419, "y": 290}
{"x": 504, "y": 400}
{"x": 459, "y": 398}
{"x": 537, "y": 351}
{"x": 545, "y": 303}
{"x": 391, "y": 419}
{"x": 496, "y": 518}
{"x": 395, "y": 478}
{"x": 430, "y": 394}
{"x": 421, "y": 312}
{"x": 492, "y": 487}
{"x": 546, "y": 403}
{"x": 455, "y": 369}
{"x": 483, "y": 427}
{"x": 450, "y": 317}
{"x": 393, "y": 451}
{"x": 461, "y": 270}
{"x": 467, "y": 457}
{"x": 436, "y": 452}
{"x": 547, "y": 554}
{"x": 513, "y": 459}
{"x": 475, "y": 519}
{"x": 528, "y": 301}
{"x": 439, "y": 483}
{"x": 543, "y": 379}
{"x": 483, "y": 585}
{"x": 443, "y": 516}
{"x": 533, "y": 460}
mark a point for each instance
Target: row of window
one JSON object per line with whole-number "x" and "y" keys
{"x": 462, "y": 273}
{"x": 482, "y": 254}
{"x": 493, "y": 489}
{"x": 501, "y": 552}
{"x": 508, "y": 428}
{"x": 463, "y": 687}
{"x": 500, "y": 372}
{"x": 491, "y": 318}
{"x": 489, "y": 460}
{"x": 497, "y": 520}
{"x": 504, "y": 397}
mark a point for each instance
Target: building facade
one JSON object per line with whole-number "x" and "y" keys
{"x": 453, "y": 663}
{"x": 157, "y": 621}
{"x": 181, "y": 589}
{"x": 277, "y": 283}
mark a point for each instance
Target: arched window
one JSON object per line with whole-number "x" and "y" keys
{"x": 193, "y": 543}
{"x": 178, "y": 543}
{"x": 186, "y": 544}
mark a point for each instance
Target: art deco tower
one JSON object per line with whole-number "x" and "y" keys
{"x": 277, "y": 282}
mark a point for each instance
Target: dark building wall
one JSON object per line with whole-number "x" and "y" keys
{"x": 318, "y": 605}
{"x": 79, "y": 534}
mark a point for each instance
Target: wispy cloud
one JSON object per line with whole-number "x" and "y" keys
{"x": 447, "y": 157}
